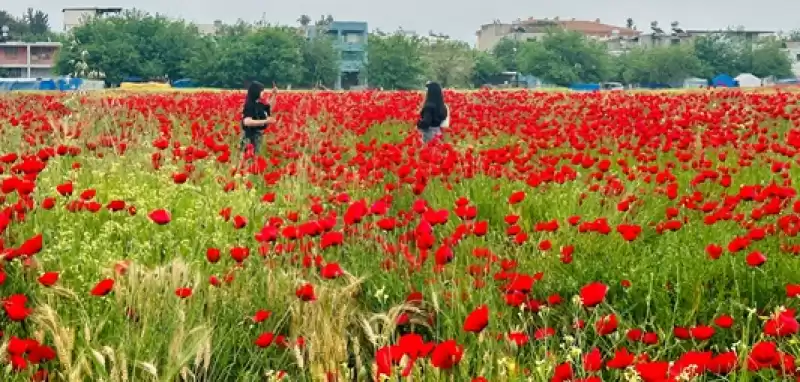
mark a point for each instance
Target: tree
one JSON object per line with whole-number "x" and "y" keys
{"x": 395, "y": 61}
{"x": 448, "y": 62}
{"x": 485, "y": 66}
{"x": 506, "y": 53}
{"x": 304, "y": 20}
{"x": 241, "y": 54}
{"x": 38, "y": 22}
{"x": 133, "y": 44}
{"x": 769, "y": 60}
{"x": 325, "y": 20}
{"x": 661, "y": 65}
{"x": 629, "y": 23}
{"x": 8, "y": 20}
{"x": 718, "y": 54}
{"x": 563, "y": 58}
{"x": 31, "y": 27}
{"x": 320, "y": 62}
{"x": 794, "y": 35}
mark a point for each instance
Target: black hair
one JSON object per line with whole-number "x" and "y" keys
{"x": 434, "y": 99}
{"x": 254, "y": 91}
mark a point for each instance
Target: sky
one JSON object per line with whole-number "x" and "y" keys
{"x": 459, "y": 19}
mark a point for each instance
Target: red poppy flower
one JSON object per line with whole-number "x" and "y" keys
{"x": 593, "y": 294}
{"x": 477, "y": 320}
{"x": 103, "y": 287}
{"x": 48, "y": 279}
{"x": 160, "y": 217}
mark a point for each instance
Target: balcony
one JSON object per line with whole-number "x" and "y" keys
{"x": 344, "y": 46}
{"x": 351, "y": 66}
{"x": 44, "y": 56}
{"x": 13, "y": 56}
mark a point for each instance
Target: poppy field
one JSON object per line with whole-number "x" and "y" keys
{"x": 547, "y": 237}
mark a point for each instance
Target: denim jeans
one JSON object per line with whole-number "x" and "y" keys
{"x": 431, "y": 133}
{"x": 253, "y": 137}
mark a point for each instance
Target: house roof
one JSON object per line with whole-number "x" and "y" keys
{"x": 591, "y": 28}
{"x": 93, "y": 9}
{"x": 596, "y": 28}
{"x": 729, "y": 31}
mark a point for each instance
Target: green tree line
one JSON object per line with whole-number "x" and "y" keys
{"x": 140, "y": 44}
{"x": 33, "y": 25}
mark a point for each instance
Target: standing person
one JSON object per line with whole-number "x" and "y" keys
{"x": 256, "y": 115}
{"x": 434, "y": 113}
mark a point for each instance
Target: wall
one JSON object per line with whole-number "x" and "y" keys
{"x": 793, "y": 52}
{"x": 74, "y": 18}
{"x": 491, "y": 34}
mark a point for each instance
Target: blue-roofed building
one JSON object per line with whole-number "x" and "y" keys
{"x": 350, "y": 40}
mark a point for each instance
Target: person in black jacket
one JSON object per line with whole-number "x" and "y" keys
{"x": 433, "y": 114}
{"x": 256, "y": 116}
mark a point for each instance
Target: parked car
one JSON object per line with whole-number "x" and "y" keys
{"x": 612, "y": 86}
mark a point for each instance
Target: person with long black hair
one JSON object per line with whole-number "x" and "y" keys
{"x": 256, "y": 115}
{"x": 434, "y": 113}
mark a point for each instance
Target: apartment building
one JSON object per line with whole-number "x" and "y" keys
{"x": 350, "y": 40}
{"x": 533, "y": 29}
{"x": 658, "y": 37}
{"x": 28, "y": 60}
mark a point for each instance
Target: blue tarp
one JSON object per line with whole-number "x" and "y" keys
{"x": 724, "y": 81}
{"x": 13, "y": 84}
{"x": 58, "y": 84}
{"x": 66, "y": 84}
{"x": 585, "y": 87}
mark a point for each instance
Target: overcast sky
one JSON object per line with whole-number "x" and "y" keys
{"x": 457, "y": 18}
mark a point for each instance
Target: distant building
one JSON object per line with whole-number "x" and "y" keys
{"x": 534, "y": 29}
{"x": 350, "y": 40}
{"x": 658, "y": 37}
{"x": 793, "y": 52}
{"x": 28, "y": 60}
{"x": 209, "y": 29}
{"x": 74, "y": 17}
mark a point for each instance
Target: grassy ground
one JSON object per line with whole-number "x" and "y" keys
{"x": 610, "y": 205}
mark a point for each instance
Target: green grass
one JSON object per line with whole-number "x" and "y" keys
{"x": 142, "y": 331}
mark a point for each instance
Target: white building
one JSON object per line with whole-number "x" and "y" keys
{"x": 793, "y": 52}
{"x": 534, "y": 29}
{"x": 74, "y": 17}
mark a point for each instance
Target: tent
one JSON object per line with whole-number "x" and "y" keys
{"x": 694, "y": 83}
{"x": 723, "y": 81}
{"x": 747, "y": 80}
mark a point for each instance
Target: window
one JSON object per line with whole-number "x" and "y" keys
{"x": 797, "y": 57}
{"x": 352, "y": 56}
{"x": 10, "y": 52}
{"x": 353, "y": 38}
